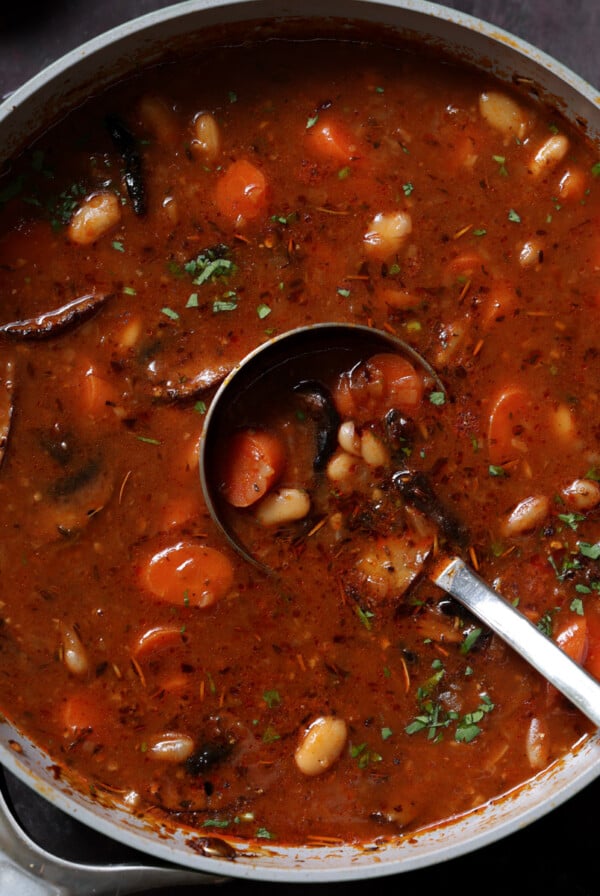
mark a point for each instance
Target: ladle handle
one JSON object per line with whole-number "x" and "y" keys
{"x": 456, "y": 578}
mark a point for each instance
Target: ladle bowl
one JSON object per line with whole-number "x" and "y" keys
{"x": 306, "y": 354}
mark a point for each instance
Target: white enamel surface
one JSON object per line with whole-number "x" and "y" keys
{"x": 96, "y": 63}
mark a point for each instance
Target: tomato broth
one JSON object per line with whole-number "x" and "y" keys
{"x": 148, "y": 242}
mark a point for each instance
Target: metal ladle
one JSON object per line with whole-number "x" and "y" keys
{"x": 295, "y": 356}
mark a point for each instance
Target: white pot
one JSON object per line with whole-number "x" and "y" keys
{"x": 53, "y": 91}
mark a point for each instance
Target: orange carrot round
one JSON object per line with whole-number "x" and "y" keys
{"x": 251, "y": 464}
{"x": 188, "y": 574}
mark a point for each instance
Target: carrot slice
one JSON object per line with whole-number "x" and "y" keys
{"x": 510, "y": 425}
{"x": 241, "y": 193}
{"x": 251, "y": 464}
{"x": 188, "y": 574}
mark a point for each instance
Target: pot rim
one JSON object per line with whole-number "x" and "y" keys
{"x": 308, "y": 864}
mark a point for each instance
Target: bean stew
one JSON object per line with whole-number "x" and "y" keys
{"x": 148, "y": 241}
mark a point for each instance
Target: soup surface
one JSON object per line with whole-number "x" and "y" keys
{"x": 147, "y": 243}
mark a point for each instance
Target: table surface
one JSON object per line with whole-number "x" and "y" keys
{"x": 555, "y": 854}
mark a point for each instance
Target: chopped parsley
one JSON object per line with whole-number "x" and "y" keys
{"x": 434, "y": 719}
{"x": 592, "y": 551}
{"x": 272, "y": 698}
{"x": 210, "y": 264}
{"x": 227, "y": 303}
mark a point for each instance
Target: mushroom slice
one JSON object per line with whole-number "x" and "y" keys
{"x": 192, "y": 387}
{"x": 6, "y": 404}
{"x": 128, "y": 147}
{"x": 53, "y": 322}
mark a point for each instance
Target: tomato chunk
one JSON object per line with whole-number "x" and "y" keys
{"x": 383, "y": 382}
{"x": 252, "y": 462}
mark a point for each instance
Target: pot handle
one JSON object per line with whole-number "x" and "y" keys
{"x": 28, "y": 870}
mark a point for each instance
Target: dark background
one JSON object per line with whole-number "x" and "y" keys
{"x": 556, "y": 854}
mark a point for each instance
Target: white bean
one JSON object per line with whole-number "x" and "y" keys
{"x": 503, "y": 113}
{"x": 552, "y": 151}
{"x": 159, "y": 118}
{"x": 321, "y": 745}
{"x": 563, "y": 422}
{"x": 98, "y": 214}
{"x": 372, "y": 449}
{"x": 172, "y": 747}
{"x": 572, "y": 184}
{"x": 526, "y": 515}
{"x": 537, "y": 744}
{"x": 582, "y": 494}
{"x": 74, "y": 654}
{"x": 207, "y": 137}
{"x": 387, "y": 232}
{"x": 341, "y": 467}
{"x": 348, "y": 438}
{"x": 285, "y": 505}
{"x": 531, "y": 254}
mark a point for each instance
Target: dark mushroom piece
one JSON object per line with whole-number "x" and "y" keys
{"x": 128, "y": 147}
{"x": 191, "y": 388}
{"x": 416, "y": 489}
{"x": 56, "y": 321}
{"x": 318, "y": 401}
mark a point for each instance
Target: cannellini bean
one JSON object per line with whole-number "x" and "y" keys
{"x": 572, "y": 184}
{"x": 172, "y": 747}
{"x": 284, "y": 505}
{"x": 207, "y": 137}
{"x": 321, "y": 745}
{"x": 526, "y": 516}
{"x": 531, "y": 253}
{"x": 537, "y": 744}
{"x": 451, "y": 339}
{"x": 341, "y": 467}
{"x": 503, "y": 113}
{"x": 387, "y": 232}
{"x": 372, "y": 449}
{"x": 563, "y": 422}
{"x": 501, "y": 300}
{"x": 154, "y": 639}
{"x": 98, "y": 214}
{"x": 170, "y": 207}
{"x": 74, "y": 655}
{"x": 131, "y": 333}
{"x": 349, "y": 439}
{"x": 582, "y": 494}
{"x": 159, "y": 118}
{"x": 549, "y": 154}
